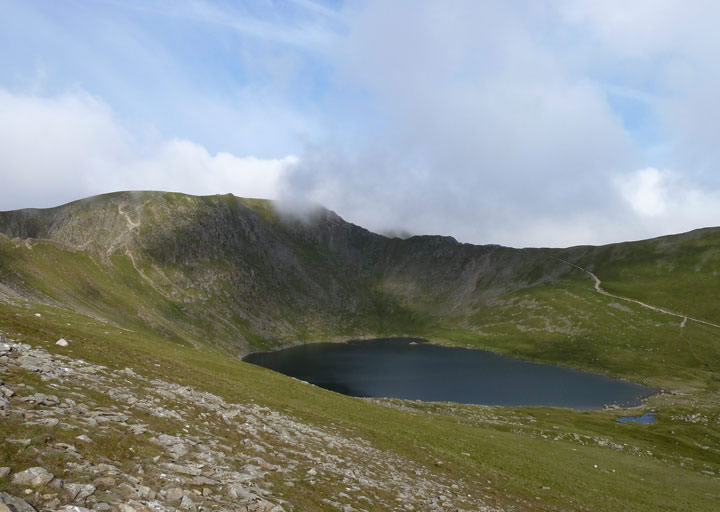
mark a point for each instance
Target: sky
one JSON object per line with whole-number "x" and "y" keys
{"x": 524, "y": 123}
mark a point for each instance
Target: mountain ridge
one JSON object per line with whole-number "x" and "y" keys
{"x": 321, "y": 258}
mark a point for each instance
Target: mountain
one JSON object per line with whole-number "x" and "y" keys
{"x": 159, "y": 295}
{"x": 236, "y": 275}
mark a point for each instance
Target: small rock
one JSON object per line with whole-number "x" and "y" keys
{"x": 127, "y": 491}
{"x": 4, "y": 471}
{"x": 21, "y": 442}
{"x": 187, "y": 504}
{"x": 179, "y": 468}
{"x": 84, "y": 438}
{"x": 104, "y": 482}
{"x": 174, "y": 495}
{"x": 47, "y": 422}
{"x": 52, "y": 504}
{"x": 62, "y": 342}
{"x": 238, "y": 492}
{"x": 145, "y": 492}
{"x": 14, "y": 504}
{"x": 124, "y": 507}
{"x": 78, "y": 492}
{"x": 34, "y": 477}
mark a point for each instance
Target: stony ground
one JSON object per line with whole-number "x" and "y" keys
{"x": 116, "y": 440}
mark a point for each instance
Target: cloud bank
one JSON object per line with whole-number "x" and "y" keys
{"x": 55, "y": 150}
{"x": 526, "y": 123}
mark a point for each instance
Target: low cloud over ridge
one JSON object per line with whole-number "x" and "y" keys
{"x": 55, "y": 150}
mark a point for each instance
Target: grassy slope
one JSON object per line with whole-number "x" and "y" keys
{"x": 512, "y": 448}
{"x": 680, "y": 272}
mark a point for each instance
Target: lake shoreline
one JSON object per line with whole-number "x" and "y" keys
{"x": 464, "y": 375}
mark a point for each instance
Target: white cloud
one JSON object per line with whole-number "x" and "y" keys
{"x": 669, "y": 49}
{"x": 646, "y": 191}
{"x": 665, "y": 201}
{"x": 498, "y": 122}
{"x": 58, "y": 149}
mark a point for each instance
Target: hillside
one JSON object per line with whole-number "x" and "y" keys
{"x": 160, "y": 293}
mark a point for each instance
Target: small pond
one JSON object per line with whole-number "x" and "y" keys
{"x": 416, "y": 370}
{"x": 648, "y": 417}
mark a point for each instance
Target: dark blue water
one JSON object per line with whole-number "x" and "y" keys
{"x": 648, "y": 417}
{"x": 404, "y": 368}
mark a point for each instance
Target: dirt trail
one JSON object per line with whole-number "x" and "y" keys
{"x": 599, "y": 289}
{"x": 131, "y": 224}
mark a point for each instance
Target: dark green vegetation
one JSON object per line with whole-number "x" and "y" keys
{"x": 147, "y": 278}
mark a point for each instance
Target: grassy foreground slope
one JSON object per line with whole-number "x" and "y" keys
{"x": 512, "y": 459}
{"x": 170, "y": 285}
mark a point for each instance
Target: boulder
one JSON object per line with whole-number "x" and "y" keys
{"x": 34, "y": 477}
{"x": 104, "y": 482}
{"x": 62, "y": 342}
{"x": 78, "y": 492}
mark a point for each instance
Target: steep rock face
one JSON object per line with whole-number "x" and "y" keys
{"x": 439, "y": 272}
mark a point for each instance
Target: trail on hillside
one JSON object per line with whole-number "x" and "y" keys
{"x": 599, "y": 289}
{"x": 131, "y": 224}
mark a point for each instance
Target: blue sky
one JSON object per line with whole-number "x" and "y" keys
{"x": 546, "y": 122}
